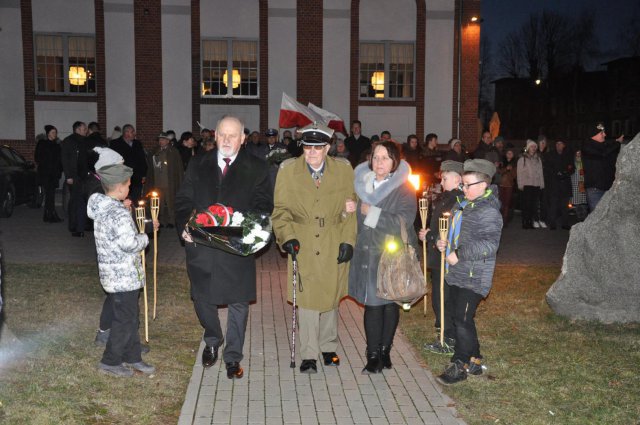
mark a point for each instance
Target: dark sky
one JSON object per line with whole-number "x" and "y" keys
{"x": 503, "y": 16}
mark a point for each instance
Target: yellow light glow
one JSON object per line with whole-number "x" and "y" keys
{"x": 474, "y": 19}
{"x": 77, "y": 76}
{"x": 154, "y": 194}
{"x": 377, "y": 81}
{"x": 392, "y": 246}
{"x": 235, "y": 78}
{"x": 141, "y": 203}
{"x": 538, "y": 81}
{"x": 414, "y": 179}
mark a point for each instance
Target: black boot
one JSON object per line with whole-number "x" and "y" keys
{"x": 385, "y": 357}
{"x": 374, "y": 364}
{"x": 54, "y": 218}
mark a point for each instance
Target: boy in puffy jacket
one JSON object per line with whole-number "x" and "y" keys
{"x": 118, "y": 245}
{"x": 470, "y": 252}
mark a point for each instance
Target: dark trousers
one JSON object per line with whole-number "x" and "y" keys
{"x": 380, "y": 323}
{"x": 530, "y": 200}
{"x": 558, "y": 213}
{"x": 464, "y": 303}
{"x": 77, "y": 208}
{"x": 237, "y": 316}
{"x": 106, "y": 316}
{"x": 436, "y": 303}
{"x": 124, "y": 340}
{"x": 49, "y": 186}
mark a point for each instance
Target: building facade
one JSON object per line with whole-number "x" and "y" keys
{"x": 407, "y": 66}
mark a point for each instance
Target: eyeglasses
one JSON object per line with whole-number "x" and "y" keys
{"x": 467, "y": 186}
{"x": 316, "y": 147}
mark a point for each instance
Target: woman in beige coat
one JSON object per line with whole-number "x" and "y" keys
{"x": 530, "y": 182}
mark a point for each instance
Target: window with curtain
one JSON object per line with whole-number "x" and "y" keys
{"x": 65, "y": 64}
{"x": 229, "y": 68}
{"x": 387, "y": 70}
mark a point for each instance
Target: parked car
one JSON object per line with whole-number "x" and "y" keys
{"x": 18, "y": 182}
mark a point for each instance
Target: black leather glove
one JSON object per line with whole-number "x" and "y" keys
{"x": 291, "y": 246}
{"x": 345, "y": 253}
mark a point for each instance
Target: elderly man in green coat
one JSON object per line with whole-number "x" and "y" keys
{"x": 310, "y": 216}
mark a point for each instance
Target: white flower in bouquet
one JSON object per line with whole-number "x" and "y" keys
{"x": 249, "y": 239}
{"x": 237, "y": 219}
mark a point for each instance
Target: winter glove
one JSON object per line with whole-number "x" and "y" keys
{"x": 291, "y": 246}
{"x": 345, "y": 253}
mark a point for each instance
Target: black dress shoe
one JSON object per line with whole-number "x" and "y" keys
{"x": 209, "y": 356}
{"x": 374, "y": 363}
{"x": 234, "y": 371}
{"x": 308, "y": 366}
{"x": 331, "y": 359}
{"x": 77, "y": 234}
{"x": 385, "y": 357}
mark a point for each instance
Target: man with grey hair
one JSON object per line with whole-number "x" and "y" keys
{"x": 233, "y": 177}
{"x": 134, "y": 156}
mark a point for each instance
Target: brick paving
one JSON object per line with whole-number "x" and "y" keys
{"x": 271, "y": 392}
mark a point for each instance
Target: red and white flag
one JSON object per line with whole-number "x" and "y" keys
{"x": 331, "y": 120}
{"x": 295, "y": 114}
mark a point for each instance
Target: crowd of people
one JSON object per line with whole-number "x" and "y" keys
{"x": 333, "y": 204}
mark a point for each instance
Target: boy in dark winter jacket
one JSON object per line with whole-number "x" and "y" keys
{"x": 451, "y": 178}
{"x": 475, "y": 227}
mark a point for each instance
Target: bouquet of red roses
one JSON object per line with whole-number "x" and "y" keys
{"x": 234, "y": 232}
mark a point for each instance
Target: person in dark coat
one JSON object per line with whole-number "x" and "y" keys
{"x": 187, "y": 147}
{"x": 385, "y": 197}
{"x": 560, "y": 164}
{"x": 165, "y": 176}
{"x": 48, "y": 158}
{"x": 134, "y": 156}
{"x": 455, "y": 153}
{"x": 74, "y": 165}
{"x": 234, "y": 178}
{"x": 451, "y": 175}
{"x": 357, "y": 144}
{"x": 599, "y": 160}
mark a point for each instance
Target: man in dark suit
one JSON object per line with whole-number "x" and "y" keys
{"x": 74, "y": 164}
{"x": 233, "y": 177}
{"x": 357, "y": 144}
{"x": 134, "y": 156}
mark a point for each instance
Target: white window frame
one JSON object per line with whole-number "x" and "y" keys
{"x": 230, "y": 94}
{"x": 65, "y": 64}
{"x": 387, "y": 59}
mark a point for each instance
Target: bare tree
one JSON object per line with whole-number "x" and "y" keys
{"x": 629, "y": 34}
{"x": 485, "y": 92}
{"x": 583, "y": 42}
{"x": 510, "y": 55}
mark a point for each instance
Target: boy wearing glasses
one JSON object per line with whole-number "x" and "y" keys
{"x": 475, "y": 227}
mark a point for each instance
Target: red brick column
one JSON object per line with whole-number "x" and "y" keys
{"x": 309, "y": 51}
{"x": 354, "y": 89}
{"x": 195, "y": 66}
{"x": 26, "y": 17}
{"x": 148, "y": 63}
{"x": 263, "y": 19}
{"x": 466, "y": 36}
{"x": 101, "y": 89}
{"x": 421, "y": 20}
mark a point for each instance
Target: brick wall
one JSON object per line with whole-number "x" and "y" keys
{"x": 27, "y": 146}
{"x": 263, "y": 18}
{"x": 309, "y": 51}
{"x": 469, "y": 70}
{"x": 101, "y": 95}
{"x": 195, "y": 65}
{"x": 148, "y": 53}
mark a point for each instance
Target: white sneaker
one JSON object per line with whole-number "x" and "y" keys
{"x": 536, "y": 225}
{"x": 542, "y": 224}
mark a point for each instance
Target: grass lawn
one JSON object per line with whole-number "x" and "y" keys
{"x": 54, "y": 310}
{"x": 542, "y": 369}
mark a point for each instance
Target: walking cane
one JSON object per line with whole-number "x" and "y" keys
{"x": 155, "y": 210}
{"x": 443, "y": 227}
{"x": 140, "y": 217}
{"x": 294, "y": 321}
{"x": 424, "y": 206}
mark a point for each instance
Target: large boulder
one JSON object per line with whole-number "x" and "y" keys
{"x": 600, "y": 277}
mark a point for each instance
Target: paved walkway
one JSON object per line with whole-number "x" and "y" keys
{"x": 272, "y": 392}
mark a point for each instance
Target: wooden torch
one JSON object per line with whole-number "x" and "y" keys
{"x": 423, "y": 204}
{"x": 155, "y": 210}
{"x": 140, "y": 218}
{"x": 443, "y": 227}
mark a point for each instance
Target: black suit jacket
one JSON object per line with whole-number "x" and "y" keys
{"x": 134, "y": 157}
{"x": 216, "y": 276}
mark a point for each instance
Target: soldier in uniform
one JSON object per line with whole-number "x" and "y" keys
{"x": 309, "y": 215}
